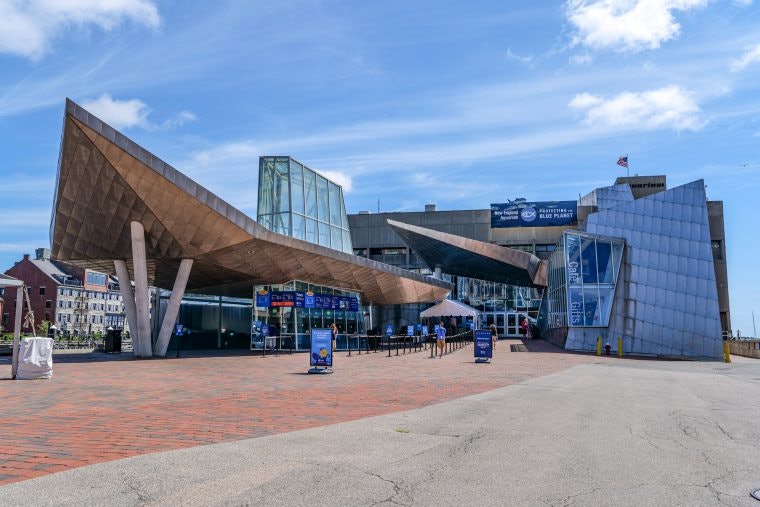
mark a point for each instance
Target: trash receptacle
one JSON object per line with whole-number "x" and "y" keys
{"x": 113, "y": 340}
{"x": 35, "y": 358}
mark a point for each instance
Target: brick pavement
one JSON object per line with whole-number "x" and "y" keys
{"x": 102, "y": 410}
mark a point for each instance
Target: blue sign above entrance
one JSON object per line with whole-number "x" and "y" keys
{"x": 533, "y": 214}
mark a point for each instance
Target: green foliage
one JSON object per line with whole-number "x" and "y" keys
{"x": 42, "y": 327}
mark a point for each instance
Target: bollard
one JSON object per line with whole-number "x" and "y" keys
{"x": 598, "y": 345}
{"x": 431, "y": 351}
{"x": 727, "y": 352}
{"x": 620, "y": 347}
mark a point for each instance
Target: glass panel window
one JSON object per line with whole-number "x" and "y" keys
{"x": 334, "y": 204}
{"x": 575, "y": 306}
{"x": 324, "y": 234}
{"x": 573, "y": 251}
{"x": 343, "y": 217}
{"x": 281, "y": 188}
{"x": 588, "y": 260}
{"x": 605, "y": 304}
{"x": 299, "y": 227}
{"x": 346, "y": 241}
{"x": 336, "y": 240}
{"x": 604, "y": 262}
{"x": 311, "y": 230}
{"x": 310, "y": 192}
{"x": 322, "y": 200}
{"x": 266, "y": 185}
{"x": 591, "y": 316}
{"x": 296, "y": 186}
{"x": 281, "y": 223}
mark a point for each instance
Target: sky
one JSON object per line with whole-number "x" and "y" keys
{"x": 404, "y": 103}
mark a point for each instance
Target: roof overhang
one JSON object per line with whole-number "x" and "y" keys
{"x": 461, "y": 256}
{"x": 105, "y": 181}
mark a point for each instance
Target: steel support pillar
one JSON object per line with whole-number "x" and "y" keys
{"x": 125, "y": 287}
{"x": 172, "y": 309}
{"x": 17, "y": 330}
{"x": 140, "y": 266}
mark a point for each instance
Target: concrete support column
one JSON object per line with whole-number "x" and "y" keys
{"x": 140, "y": 265}
{"x": 437, "y": 273}
{"x": 172, "y": 309}
{"x": 125, "y": 287}
{"x": 17, "y": 330}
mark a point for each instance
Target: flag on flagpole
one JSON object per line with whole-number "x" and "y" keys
{"x": 623, "y": 161}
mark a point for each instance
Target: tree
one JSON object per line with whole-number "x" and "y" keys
{"x": 42, "y": 327}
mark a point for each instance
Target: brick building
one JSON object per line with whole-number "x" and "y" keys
{"x": 78, "y": 301}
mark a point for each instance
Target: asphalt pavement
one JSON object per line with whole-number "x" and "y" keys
{"x": 607, "y": 433}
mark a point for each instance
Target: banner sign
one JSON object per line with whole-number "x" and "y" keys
{"x": 389, "y": 330}
{"x": 179, "y": 329}
{"x": 534, "y": 214}
{"x": 483, "y": 343}
{"x": 262, "y": 299}
{"x": 410, "y": 330}
{"x": 425, "y": 330}
{"x": 282, "y": 299}
{"x": 321, "y": 347}
{"x": 309, "y": 299}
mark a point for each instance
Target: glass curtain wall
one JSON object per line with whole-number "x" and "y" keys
{"x": 290, "y": 327}
{"x": 298, "y": 202}
{"x": 583, "y": 273}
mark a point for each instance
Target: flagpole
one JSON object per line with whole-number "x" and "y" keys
{"x": 628, "y": 166}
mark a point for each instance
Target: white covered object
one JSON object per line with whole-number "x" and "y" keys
{"x": 35, "y": 358}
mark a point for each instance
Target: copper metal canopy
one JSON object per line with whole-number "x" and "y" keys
{"x": 105, "y": 181}
{"x": 475, "y": 259}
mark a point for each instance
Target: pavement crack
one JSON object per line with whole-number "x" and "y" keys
{"x": 397, "y": 490}
{"x": 645, "y": 438}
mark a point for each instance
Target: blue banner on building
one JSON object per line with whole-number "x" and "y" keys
{"x": 310, "y": 300}
{"x": 321, "y": 347}
{"x": 300, "y": 299}
{"x": 483, "y": 344}
{"x": 534, "y": 214}
{"x": 262, "y": 299}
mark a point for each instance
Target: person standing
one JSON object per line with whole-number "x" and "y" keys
{"x": 494, "y": 336}
{"x": 334, "y": 330}
{"x": 441, "y": 339}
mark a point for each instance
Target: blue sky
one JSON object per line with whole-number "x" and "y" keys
{"x": 457, "y": 103}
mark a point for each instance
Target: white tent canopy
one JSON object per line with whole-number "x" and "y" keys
{"x": 449, "y": 308}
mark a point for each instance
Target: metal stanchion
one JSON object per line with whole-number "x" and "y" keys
{"x": 348, "y": 343}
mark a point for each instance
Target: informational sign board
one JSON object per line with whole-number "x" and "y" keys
{"x": 483, "y": 344}
{"x": 410, "y": 330}
{"x": 472, "y": 326}
{"x": 265, "y": 329}
{"x": 262, "y": 299}
{"x": 321, "y": 347}
{"x": 534, "y": 214}
{"x": 389, "y": 330}
{"x": 179, "y": 329}
{"x": 425, "y": 330}
{"x": 310, "y": 300}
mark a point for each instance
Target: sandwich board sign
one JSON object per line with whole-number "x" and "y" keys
{"x": 321, "y": 353}
{"x": 483, "y": 346}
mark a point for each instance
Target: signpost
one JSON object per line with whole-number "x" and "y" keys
{"x": 321, "y": 353}
{"x": 483, "y": 346}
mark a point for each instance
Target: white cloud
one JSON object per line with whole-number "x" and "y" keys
{"x": 124, "y": 114}
{"x": 750, "y": 56}
{"x": 526, "y": 59}
{"x": 341, "y": 178}
{"x": 120, "y": 114}
{"x": 581, "y": 59}
{"x": 669, "y": 107}
{"x": 626, "y": 25}
{"x": 27, "y": 27}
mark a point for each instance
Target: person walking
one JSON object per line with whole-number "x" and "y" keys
{"x": 494, "y": 335}
{"x": 334, "y": 330}
{"x": 441, "y": 339}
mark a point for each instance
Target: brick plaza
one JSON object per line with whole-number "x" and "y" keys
{"x": 98, "y": 408}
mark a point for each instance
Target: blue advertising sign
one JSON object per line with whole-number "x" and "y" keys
{"x": 179, "y": 329}
{"x": 321, "y": 347}
{"x": 534, "y": 214}
{"x": 472, "y": 326}
{"x": 353, "y": 304}
{"x": 300, "y": 299}
{"x": 310, "y": 300}
{"x": 483, "y": 344}
{"x": 389, "y": 330}
{"x": 280, "y": 299}
{"x": 321, "y": 302}
{"x": 262, "y": 299}
{"x": 425, "y": 330}
{"x": 410, "y": 330}
{"x": 265, "y": 329}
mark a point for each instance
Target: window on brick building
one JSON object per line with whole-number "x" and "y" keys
{"x": 48, "y": 304}
{"x": 42, "y": 291}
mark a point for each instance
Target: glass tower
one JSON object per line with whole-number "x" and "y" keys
{"x": 298, "y": 202}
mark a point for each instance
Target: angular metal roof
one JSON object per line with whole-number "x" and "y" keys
{"x": 105, "y": 181}
{"x": 471, "y": 258}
